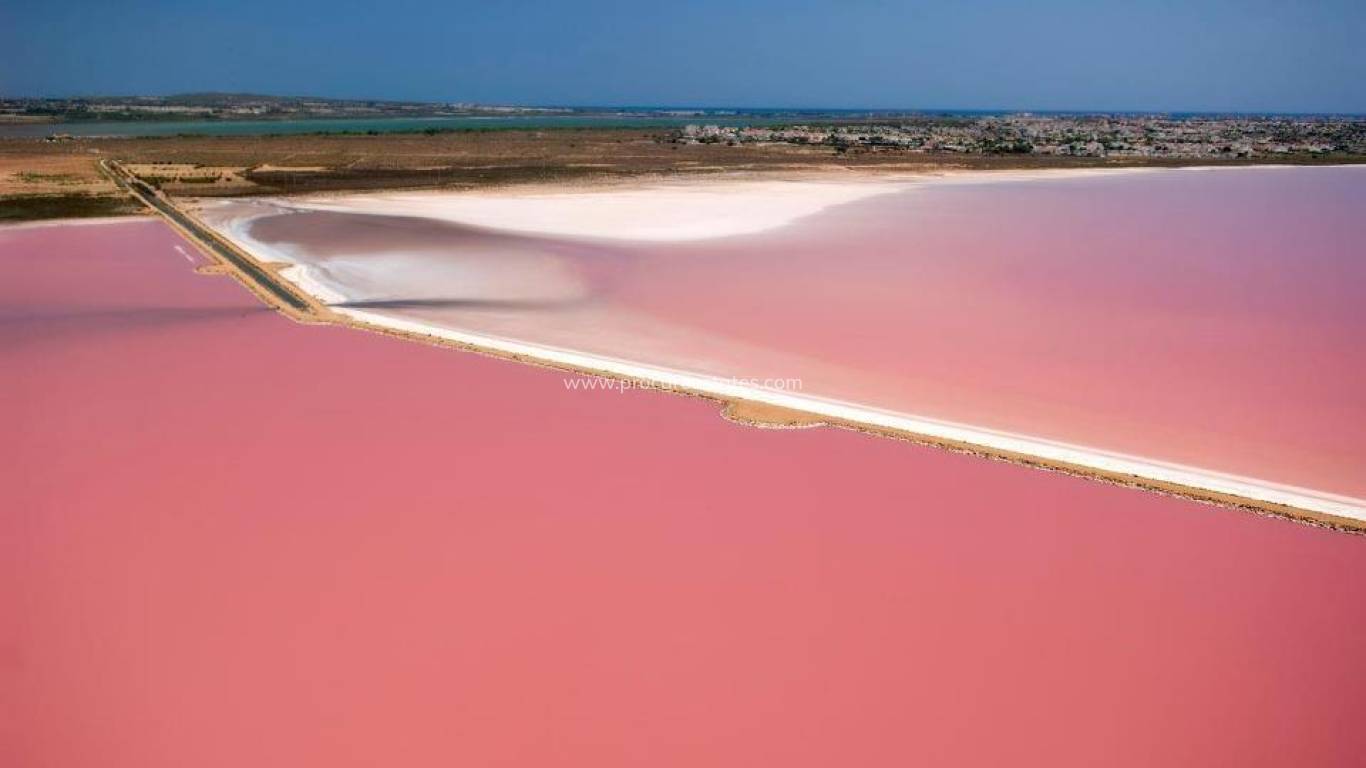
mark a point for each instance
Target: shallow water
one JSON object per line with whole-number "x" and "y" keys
{"x": 229, "y": 539}
{"x": 1206, "y": 318}
{"x": 133, "y": 128}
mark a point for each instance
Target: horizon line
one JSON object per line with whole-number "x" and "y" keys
{"x": 753, "y": 108}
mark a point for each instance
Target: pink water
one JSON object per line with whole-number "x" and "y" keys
{"x": 1207, "y": 318}
{"x": 227, "y": 539}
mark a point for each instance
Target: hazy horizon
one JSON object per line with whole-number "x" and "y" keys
{"x": 982, "y": 55}
{"x": 707, "y": 107}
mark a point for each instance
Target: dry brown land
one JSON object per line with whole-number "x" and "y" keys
{"x": 203, "y": 166}
{"x": 43, "y": 181}
{"x": 36, "y": 168}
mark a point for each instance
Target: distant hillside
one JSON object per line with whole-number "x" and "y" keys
{"x": 234, "y": 106}
{"x": 221, "y": 99}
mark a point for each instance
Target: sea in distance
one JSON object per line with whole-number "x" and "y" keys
{"x": 625, "y": 119}
{"x": 632, "y": 117}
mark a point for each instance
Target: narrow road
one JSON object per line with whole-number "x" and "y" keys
{"x": 270, "y": 284}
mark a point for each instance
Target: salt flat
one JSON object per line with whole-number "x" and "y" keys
{"x": 656, "y": 212}
{"x": 1115, "y": 321}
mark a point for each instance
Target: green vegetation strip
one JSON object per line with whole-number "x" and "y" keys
{"x": 69, "y": 206}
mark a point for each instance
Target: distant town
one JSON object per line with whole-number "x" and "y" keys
{"x": 55, "y": 153}
{"x": 1114, "y": 136}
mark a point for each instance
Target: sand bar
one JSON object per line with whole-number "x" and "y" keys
{"x": 992, "y": 441}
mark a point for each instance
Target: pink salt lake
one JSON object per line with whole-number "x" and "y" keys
{"x": 228, "y": 539}
{"x": 1211, "y": 319}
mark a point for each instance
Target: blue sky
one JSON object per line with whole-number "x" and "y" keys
{"x": 1050, "y": 54}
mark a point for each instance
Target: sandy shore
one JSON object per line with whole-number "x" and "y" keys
{"x": 93, "y": 221}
